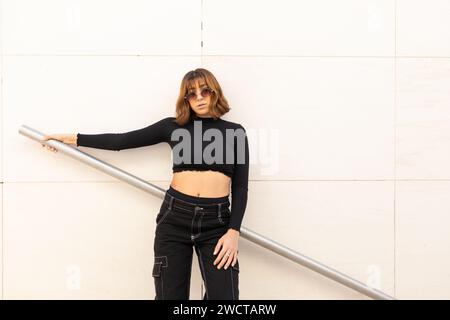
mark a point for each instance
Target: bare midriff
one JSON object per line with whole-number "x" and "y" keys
{"x": 206, "y": 184}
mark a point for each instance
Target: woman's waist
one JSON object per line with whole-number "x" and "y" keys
{"x": 202, "y": 183}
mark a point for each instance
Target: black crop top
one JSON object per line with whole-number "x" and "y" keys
{"x": 224, "y": 148}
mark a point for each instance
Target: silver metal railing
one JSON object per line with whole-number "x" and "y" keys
{"x": 245, "y": 233}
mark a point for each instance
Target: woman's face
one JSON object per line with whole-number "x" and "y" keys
{"x": 200, "y": 105}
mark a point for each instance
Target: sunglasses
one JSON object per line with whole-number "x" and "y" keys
{"x": 205, "y": 92}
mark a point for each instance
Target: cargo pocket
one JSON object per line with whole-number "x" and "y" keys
{"x": 158, "y": 275}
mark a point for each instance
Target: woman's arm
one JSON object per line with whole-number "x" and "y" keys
{"x": 150, "y": 135}
{"x": 239, "y": 186}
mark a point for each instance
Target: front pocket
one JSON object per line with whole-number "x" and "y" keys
{"x": 162, "y": 215}
{"x": 224, "y": 217}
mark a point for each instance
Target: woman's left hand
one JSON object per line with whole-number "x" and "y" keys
{"x": 229, "y": 244}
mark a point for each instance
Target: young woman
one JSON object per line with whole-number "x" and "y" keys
{"x": 210, "y": 156}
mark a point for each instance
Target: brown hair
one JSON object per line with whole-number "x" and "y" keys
{"x": 218, "y": 106}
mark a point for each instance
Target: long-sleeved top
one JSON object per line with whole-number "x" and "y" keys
{"x": 201, "y": 144}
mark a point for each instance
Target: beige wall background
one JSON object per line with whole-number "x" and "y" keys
{"x": 347, "y": 104}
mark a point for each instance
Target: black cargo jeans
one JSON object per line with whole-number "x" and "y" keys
{"x": 184, "y": 222}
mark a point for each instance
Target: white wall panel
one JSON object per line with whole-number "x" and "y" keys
{"x": 423, "y": 28}
{"x": 1, "y": 146}
{"x": 291, "y": 27}
{"x": 102, "y": 27}
{"x": 423, "y": 118}
{"x": 1, "y": 241}
{"x": 422, "y": 246}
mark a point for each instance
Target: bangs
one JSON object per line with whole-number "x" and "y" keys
{"x": 191, "y": 83}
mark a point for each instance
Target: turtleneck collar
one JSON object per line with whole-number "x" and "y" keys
{"x": 205, "y": 119}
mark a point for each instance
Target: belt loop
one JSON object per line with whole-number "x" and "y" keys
{"x": 219, "y": 207}
{"x": 170, "y": 202}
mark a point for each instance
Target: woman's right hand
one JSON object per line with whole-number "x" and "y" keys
{"x": 65, "y": 138}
